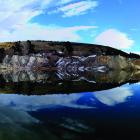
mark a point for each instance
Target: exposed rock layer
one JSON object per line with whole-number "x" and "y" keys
{"x": 64, "y": 56}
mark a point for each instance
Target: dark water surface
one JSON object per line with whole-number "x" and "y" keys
{"x": 101, "y": 115}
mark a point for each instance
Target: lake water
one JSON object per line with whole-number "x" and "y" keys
{"x": 112, "y": 111}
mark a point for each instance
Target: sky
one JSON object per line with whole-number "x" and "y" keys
{"x": 114, "y": 23}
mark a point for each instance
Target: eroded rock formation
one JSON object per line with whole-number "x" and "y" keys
{"x": 64, "y": 57}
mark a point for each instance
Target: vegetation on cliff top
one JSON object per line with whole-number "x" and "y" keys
{"x": 68, "y": 48}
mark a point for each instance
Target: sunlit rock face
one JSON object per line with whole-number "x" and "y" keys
{"x": 30, "y": 54}
{"x": 24, "y": 62}
{"x": 74, "y": 66}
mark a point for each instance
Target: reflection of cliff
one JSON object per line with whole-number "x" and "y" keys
{"x": 30, "y": 82}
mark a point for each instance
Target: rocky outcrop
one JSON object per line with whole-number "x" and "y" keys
{"x": 64, "y": 56}
{"x": 26, "y": 62}
{"x": 72, "y": 65}
{"x": 119, "y": 63}
{"x": 135, "y": 64}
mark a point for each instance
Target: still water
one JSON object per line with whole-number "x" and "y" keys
{"x": 108, "y": 114}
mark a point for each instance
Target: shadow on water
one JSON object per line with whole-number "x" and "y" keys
{"x": 106, "y": 107}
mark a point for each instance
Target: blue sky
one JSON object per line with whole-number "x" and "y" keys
{"x": 114, "y": 23}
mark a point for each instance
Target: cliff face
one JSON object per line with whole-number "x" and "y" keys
{"x": 116, "y": 62}
{"x": 65, "y": 57}
{"x": 26, "y": 62}
{"x": 65, "y": 65}
{"x": 135, "y": 63}
{"x": 40, "y": 67}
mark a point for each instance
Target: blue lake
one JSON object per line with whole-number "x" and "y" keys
{"x": 100, "y": 115}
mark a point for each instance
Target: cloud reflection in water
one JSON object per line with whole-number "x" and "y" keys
{"x": 87, "y": 100}
{"x": 114, "y": 96}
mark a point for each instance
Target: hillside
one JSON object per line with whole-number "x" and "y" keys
{"x": 65, "y": 47}
{"x": 45, "y": 55}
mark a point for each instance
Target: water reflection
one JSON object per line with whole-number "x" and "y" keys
{"x": 114, "y": 96}
{"x": 70, "y": 116}
{"x": 113, "y": 112}
{"x": 85, "y": 100}
{"x": 32, "y": 82}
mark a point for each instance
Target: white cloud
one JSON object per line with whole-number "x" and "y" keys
{"x": 78, "y": 8}
{"x": 34, "y": 102}
{"x": 114, "y": 96}
{"x": 16, "y": 14}
{"x": 114, "y": 38}
{"x": 38, "y": 32}
{"x": 110, "y": 97}
{"x": 65, "y": 1}
{"x": 17, "y": 7}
